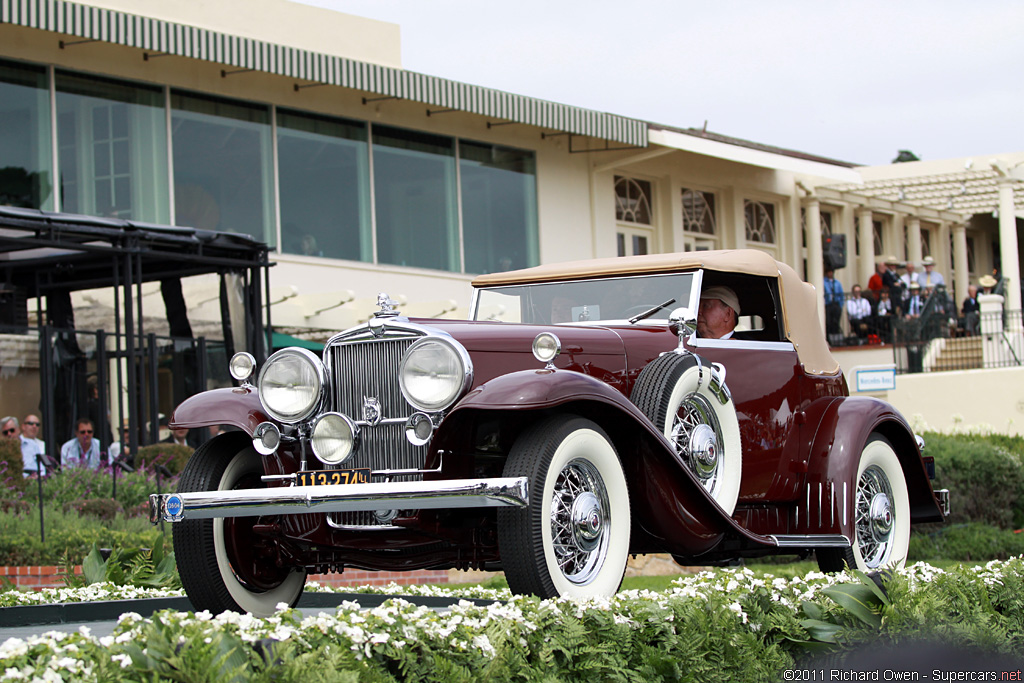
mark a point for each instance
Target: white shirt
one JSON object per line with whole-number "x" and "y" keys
{"x": 858, "y": 308}
{"x": 932, "y": 279}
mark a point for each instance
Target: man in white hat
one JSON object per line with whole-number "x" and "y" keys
{"x": 931, "y": 277}
{"x": 718, "y": 312}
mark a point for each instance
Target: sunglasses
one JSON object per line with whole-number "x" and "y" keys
{"x": 31, "y": 424}
{"x": 85, "y": 431}
{"x": 8, "y": 432}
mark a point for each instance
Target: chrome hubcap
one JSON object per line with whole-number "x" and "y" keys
{"x": 697, "y": 435}
{"x": 875, "y": 517}
{"x": 580, "y": 522}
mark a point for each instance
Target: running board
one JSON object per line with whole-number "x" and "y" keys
{"x": 810, "y": 540}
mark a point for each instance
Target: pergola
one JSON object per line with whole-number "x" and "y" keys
{"x": 51, "y": 255}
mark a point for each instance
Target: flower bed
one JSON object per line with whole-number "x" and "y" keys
{"x": 722, "y": 625}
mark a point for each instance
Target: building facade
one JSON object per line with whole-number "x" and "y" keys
{"x": 251, "y": 116}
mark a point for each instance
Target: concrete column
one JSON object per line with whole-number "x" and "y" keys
{"x": 914, "y": 242}
{"x": 1009, "y": 265}
{"x": 866, "y": 232}
{"x": 942, "y": 255}
{"x": 815, "y": 259}
{"x": 963, "y": 278}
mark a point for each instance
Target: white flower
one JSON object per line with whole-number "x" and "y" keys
{"x": 124, "y": 660}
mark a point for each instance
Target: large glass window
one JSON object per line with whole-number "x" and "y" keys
{"x": 222, "y": 165}
{"x": 414, "y": 194}
{"x": 698, "y": 212}
{"x": 26, "y": 179}
{"x": 499, "y": 207}
{"x": 324, "y": 186}
{"x": 112, "y": 148}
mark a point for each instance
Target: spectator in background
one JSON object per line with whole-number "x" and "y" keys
{"x": 910, "y": 277}
{"x": 858, "y": 310}
{"x": 987, "y": 283}
{"x": 833, "y": 302}
{"x": 883, "y": 316}
{"x": 972, "y": 311}
{"x": 931, "y": 277}
{"x": 30, "y": 430}
{"x": 876, "y": 283}
{"x": 82, "y": 450}
{"x": 178, "y": 435}
{"x": 891, "y": 280}
{"x": 31, "y": 456}
{"x": 914, "y": 303}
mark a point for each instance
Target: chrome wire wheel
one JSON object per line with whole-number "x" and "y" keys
{"x": 572, "y": 539}
{"x": 580, "y": 524}
{"x": 880, "y": 519}
{"x": 875, "y": 517}
{"x": 697, "y": 435}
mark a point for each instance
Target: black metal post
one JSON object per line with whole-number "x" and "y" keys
{"x": 39, "y": 479}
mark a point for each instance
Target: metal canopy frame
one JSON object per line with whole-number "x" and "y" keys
{"x": 44, "y": 253}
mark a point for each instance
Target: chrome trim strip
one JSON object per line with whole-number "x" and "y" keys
{"x": 734, "y": 343}
{"x": 810, "y": 540}
{"x": 424, "y": 495}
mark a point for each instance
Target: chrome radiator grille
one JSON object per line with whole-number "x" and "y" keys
{"x": 369, "y": 369}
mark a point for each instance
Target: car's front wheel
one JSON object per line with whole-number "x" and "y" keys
{"x": 881, "y": 514}
{"x": 573, "y": 537}
{"x": 223, "y": 564}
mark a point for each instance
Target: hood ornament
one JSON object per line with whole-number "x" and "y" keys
{"x": 387, "y": 306}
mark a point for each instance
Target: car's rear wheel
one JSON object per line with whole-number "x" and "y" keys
{"x": 687, "y": 401}
{"x": 881, "y": 514}
{"x": 223, "y": 564}
{"x": 573, "y": 537}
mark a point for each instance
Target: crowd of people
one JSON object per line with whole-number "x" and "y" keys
{"x": 83, "y": 449}
{"x": 914, "y": 305}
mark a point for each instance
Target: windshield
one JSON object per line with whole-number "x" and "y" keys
{"x": 586, "y": 301}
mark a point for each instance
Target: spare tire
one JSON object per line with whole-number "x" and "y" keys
{"x": 687, "y": 400}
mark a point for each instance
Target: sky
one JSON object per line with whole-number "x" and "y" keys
{"x": 853, "y": 81}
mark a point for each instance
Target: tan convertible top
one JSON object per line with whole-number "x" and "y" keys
{"x": 799, "y": 305}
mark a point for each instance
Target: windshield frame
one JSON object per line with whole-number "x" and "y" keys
{"x": 695, "y": 276}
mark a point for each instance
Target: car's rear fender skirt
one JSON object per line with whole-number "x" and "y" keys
{"x": 239, "y": 407}
{"x": 670, "y": 506}
{"x": 826, "y": 504}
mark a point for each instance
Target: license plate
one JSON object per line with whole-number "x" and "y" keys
{"x": 331, "y": 477}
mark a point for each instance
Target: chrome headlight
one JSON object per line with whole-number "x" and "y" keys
{"x": 291, "y": 384}
{"x": 434, "y": 373}
{"x": 334, "y": 438}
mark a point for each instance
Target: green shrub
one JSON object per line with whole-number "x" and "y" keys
{"x": 985, "y": 477}
{"x": 68, "y": 533}
{"x": 12, "y": 483}
{"x": 76, "y": 484}
{"x": 973, "y": 542}
{"x": 100, "y": 508}
{"x": 170, "y": 455}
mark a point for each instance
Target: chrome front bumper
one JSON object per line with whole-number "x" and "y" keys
{"x": 285, "y": 500}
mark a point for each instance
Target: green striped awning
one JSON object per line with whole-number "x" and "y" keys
{"x": 132, "y": 30}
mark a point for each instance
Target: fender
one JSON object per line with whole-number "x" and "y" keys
{"x": 239, "y": 407}
{"x": 827, "y": 504}
{"x": 668, "y": 500}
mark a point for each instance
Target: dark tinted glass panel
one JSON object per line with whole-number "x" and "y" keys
{"x": 112, "y": 148}
{"x": 499, "y": 207}
{"x": 414, "y": 193}
{"x": 26, "y": 177}
{"x": 222, "y": 165}
{"x": 324, "y": 184}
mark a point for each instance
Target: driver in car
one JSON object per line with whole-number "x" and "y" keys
{"x": 718, "y": 313}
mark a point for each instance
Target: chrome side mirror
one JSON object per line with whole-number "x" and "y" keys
{"x": 683, "y": 323}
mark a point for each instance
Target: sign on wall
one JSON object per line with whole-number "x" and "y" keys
{"x": 874, "y": 378}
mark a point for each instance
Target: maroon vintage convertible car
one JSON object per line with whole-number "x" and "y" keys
{"x": 575, "y": 420}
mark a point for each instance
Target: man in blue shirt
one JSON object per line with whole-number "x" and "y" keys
{"x": 833, "y": 303}
{"x": 83, "y": 450}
